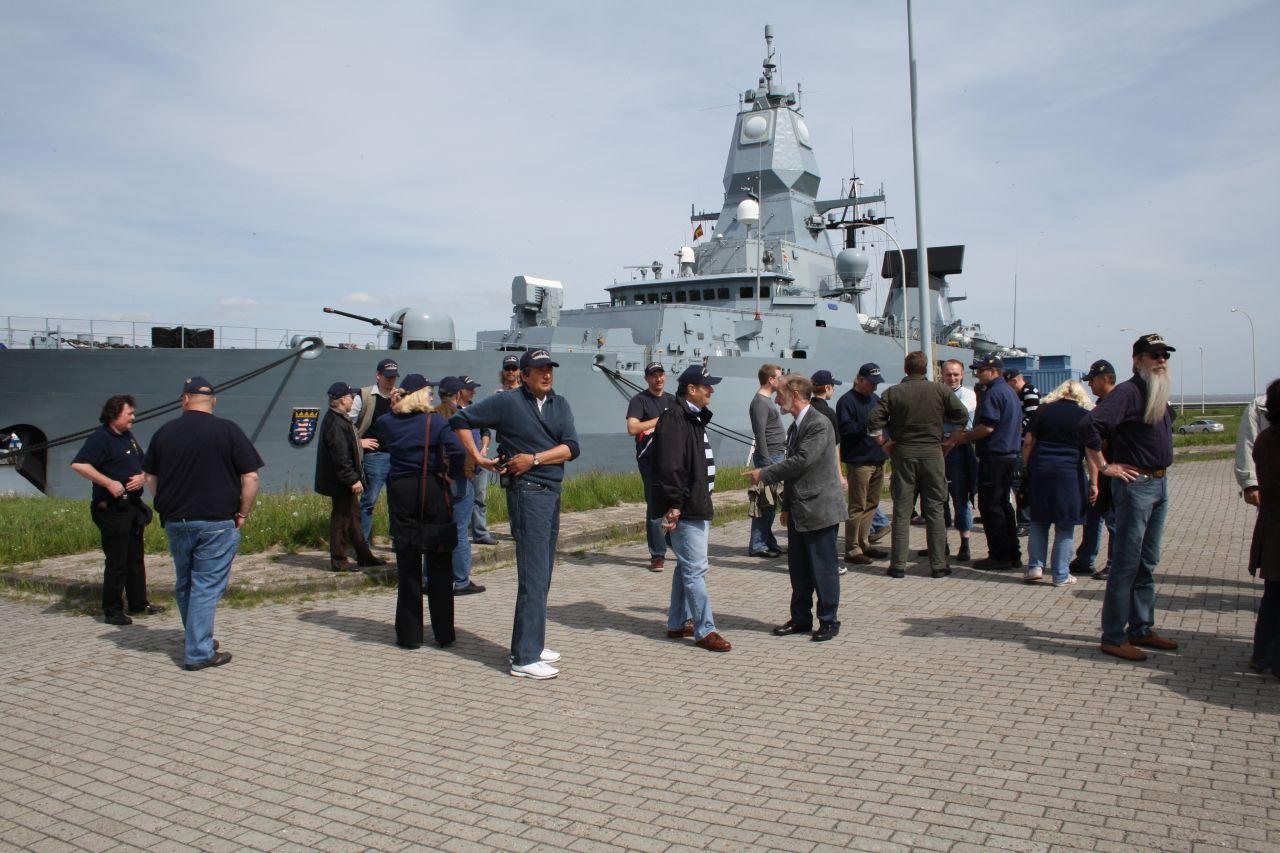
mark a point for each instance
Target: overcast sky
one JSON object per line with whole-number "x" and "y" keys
{"x": 246, "y": 163}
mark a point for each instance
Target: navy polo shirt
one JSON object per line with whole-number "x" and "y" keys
{"x": 116, "y": 456}
{"x": 197, "y": 460}
{"x": 1002, "y": 410}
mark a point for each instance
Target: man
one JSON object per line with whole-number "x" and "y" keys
{"x": 864, "y": 464}
{"x": 684, "y": 476}
{"x": 374, "y": 401}
{"x": 508, "y": 380}
{"x": 1102, "y": 381}
{"x": 914, "y": 412}
{"x": 643, "y": 412}
{"x": 1252, "y": 422}
{"x": 997, "y": 436}
{"x": 770, "y": 447}
{"x": 812, "y": 509}
{"x": 203, "y": 471}
{"x": 112, "y": 460}
{"x": 537, "y": 436}
{"x": 454, "y": 390}
{"x": 961, "y": 463}
{"x": 339, "y": 477}
{"x": 1029, "y": 396}
{"x": 1137, "y": 422}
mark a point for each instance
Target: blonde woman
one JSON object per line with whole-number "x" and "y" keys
{"x": 1060, "y": 493}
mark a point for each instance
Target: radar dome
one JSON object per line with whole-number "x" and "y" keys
{"x": 851, "y": 266}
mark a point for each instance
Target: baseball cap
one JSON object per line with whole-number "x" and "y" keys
{"x": 987, "y": 361}
{"x": 468, "y": 382}
{"x": 450, "y": 385}
{"x": 1099, "y": 368}
{"x": 510, "y": 361}
{"x": 1011, "y": 373}
{"x": 414, "y": 382}
{"x": 871, "y": 372}
{"x": 537, "y": 358}
{"x": 388, "y": 367}
{"x": 654, "y": 367}
{"x": 197, "y": 385}
{"x": 824, "y": 377}
{"x": 1151, "y": 343}
{"x": 340, "y": 389}
{"x": 696, "y": 374}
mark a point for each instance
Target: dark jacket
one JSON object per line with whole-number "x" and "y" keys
{"x": 523, "y": 429}
{"x": 813, "y": 495}
{"x": 680, "y": 463}
{"x": 338, "y": 465}
{"x": 1264, "y": 554}
{"x": 852, "y": 413}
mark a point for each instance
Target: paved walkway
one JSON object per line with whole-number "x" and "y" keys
{"x": 968, "y": 713}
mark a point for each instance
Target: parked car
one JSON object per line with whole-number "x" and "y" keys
{"x": 1201, "y": 426}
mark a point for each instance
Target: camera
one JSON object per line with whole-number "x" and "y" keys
{"x": 505, "y": 479}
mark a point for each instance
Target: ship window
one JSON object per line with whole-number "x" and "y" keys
{"x": 745, "y": 292}
{"x": 695, "y": 296}
{"x": 821, "y": 324}
{"x": 665, "y": 296}
{"x": 639, "y": 298}
{"x": 710, "y": 294}
{"x": 722, "y": 293}
{"x": 764, "y": 290}
{"x": 681, "y": 296}
{"x": 799, "y": 353}
{"x": 653, "y": 299}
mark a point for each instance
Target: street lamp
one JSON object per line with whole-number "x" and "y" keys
{"x": 1253, "y": 345}
{"x": 1202, "y": 380}
{"x": 902, "y": 270}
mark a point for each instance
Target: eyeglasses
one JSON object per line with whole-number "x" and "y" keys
{"x": 1158, "y": 356}
{"x": 509, "y": 369}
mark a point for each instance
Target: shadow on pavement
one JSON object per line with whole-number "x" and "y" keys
{"x": 139, "y": 638}
{"x": 383, "y": 633}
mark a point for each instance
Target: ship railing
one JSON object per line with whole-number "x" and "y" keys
{"x": 83, "y": 334}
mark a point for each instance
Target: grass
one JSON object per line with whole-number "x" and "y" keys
{"x": 42, "y": 528}
{"x": 1228, "y": 417}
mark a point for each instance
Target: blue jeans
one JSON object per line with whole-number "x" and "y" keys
{"x": 463, "y": 493}
{"x": 1091, "y": 538}
{"x": 689, "y": 597}
{"x": 1038, "y": 548}
{"x": 535, "y": 524}
{"x": 202, "y": 553}
{"x": 480, "y": 513}
{"x": 376, "y": 466}
{"x": 762, "y": 538}
{"x": 1129, "y": 605}
{"x": 879, "y": 521}
{"x": 657, "y": 538}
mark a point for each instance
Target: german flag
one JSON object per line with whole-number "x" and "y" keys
{"x": 697, "y": 232}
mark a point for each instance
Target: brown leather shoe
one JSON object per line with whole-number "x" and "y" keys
{"x": 1154, "y": 641}
{"x": 686, "y": 631}
{"x": 713, "y": 642}
{"x": 656, "y": 564}
{"x": 1128, "y": 651}
{"x": 859, "y": 560}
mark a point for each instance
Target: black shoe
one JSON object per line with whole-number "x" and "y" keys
{"x": 875, "y": 553}
{"x": 896, "y": 573}
{"x": 962, "y": 556}
{"x": 790, "y": 628}
{"x": 766, "y": 554}
{"x": 488, "y": 540}
{"x": 116, "y": 619}
{"x": 1077, "y": 567}
{"x": 825, "y": 632}
{"x": 343, "y": 565}
{"x": 148, "y": 610}
{"x": 1016, "y": 561}
{"x": 370, "y": 560}
{"x": 470, "y": 589}
{"x": 218, "y": 659}
{"x": 993, "y": 565}
{"x": 940, "y": 573}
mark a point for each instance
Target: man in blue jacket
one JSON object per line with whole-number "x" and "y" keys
{"x": 537, "y": 436}
{"x": 864, "y": 460}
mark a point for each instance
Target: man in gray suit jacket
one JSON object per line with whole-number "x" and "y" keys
{"x": 813, "y": 508}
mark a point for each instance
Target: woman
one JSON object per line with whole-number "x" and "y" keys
{"x": 1060, "y": 495}
{"x": 420, "y": 511}
{"x": 1264, "y": 555}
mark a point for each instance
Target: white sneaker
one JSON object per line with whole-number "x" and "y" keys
{"x": 536, "y": 670}
{"x": 1033, "y": 574}
{"x": 842, "y": 570}
{"x": 1068, "y": 582}
{"x": 549, "y": 656}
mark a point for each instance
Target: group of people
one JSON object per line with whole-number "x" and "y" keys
{"x": 1102, "y": 465}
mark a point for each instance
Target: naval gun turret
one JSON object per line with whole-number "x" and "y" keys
{"x": 410, "y": 328}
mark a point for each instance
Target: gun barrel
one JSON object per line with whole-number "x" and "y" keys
{"x": 371, "y": 320}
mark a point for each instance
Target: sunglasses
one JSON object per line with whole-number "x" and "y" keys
{"x": 1158, "y": 356}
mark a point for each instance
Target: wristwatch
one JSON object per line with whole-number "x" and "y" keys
{"x": 536, "y": 461}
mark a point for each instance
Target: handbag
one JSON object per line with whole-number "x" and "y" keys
{"x": 434, "y": 538}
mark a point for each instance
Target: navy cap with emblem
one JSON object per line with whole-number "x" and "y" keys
{"x": 870, "y": 372}
{"x": 988, "y": 361}
{"x": 388, "y": 367}
{"x": 450, "y": 385}
{"x": 340, "y": 389}
{"x": 197, "y": 385}
{"x": 1011, "y": 373}
{"x": 1101, "y": 367}
{"x": 537, "y": 358}
{"x": 1151, "y": 343}
{"x": 696, "y": 374}
{"x": 414, "y": 382}
{"x": 510, "y": 362}
{"x": 824, "y": 377}
{"x": 468, "y": 382}
{"x": 654, "y": 367}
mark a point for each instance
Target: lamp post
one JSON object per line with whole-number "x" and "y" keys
{"x": 902, "y": 270}
{"x": 1253, "y": 345}
{"x": 748, "y": 215}
{"x": 1202, "y": 380}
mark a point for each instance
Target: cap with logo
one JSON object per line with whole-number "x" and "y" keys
{"x": 537, "y": 358}
{"x": 1011, "y": 373}
{"x": 1151, "y": 343}
{"x": 653, "y": 367}
{"x": 468, "y": 382}
{"x": 340, "y": 389}
{"x": 696, "y": 374}
{"x": 1101, "y": 367}
{"x": 414, "y": 382}
{"x": 450, "y": 385}
{"x": 870, "y": 372}
{"x": 197, "y": 385}
{"x": 510, "y": 362}
{"x": 824, "y": 377}
{"x": 987, "y": 362}
{"x": 388, "y": 367}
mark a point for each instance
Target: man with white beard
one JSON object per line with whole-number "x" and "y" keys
{"x": 1137, "y": 421}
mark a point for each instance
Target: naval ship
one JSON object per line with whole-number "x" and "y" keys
{"x": 775, "y": 275}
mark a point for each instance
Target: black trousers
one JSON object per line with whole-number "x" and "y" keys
{"x": 813, "y": 565}
{"x": 1266, "y": 631}
{"x": 344, "y": 528}
{"x": 995, "y": 480}
{"x": 125, "y": 573}
{"x": 404, "y": 499}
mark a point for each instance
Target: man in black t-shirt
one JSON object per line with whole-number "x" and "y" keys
{"x": 203, "y": 471}
{"x": 642, "y": 416}
{"x": 112, "y": 460}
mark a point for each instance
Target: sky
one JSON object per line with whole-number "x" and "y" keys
{"x": 246, "y": 163}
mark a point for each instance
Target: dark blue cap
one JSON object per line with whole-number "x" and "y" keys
{"x": 1151, "y": 343}
{"x": 340, "y": 389}
{"x": 990, "y": 360}
{"x": 414, "y": 382}
{"x": 451, "y": 385}
{"x": 696, "y": 374}
{"x": 1100, "y": 367}
{"x": 824, "y": 377}
{"x": 388, "y": 367}
{"x": 870, "y": 372}
{"x": 197, "y": 385}
{"x": 536, "y": 358}
{"x": 654, "y": 367}
{"x": 510, "y": 361}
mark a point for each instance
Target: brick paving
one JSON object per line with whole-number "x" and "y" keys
{"x": 961, "y": 714}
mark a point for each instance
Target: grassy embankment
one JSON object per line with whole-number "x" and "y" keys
{"x": 40, "y": 528}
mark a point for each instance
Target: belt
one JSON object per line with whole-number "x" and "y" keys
{"x": 204, "y": 518}
{"x": 1155, "y": 473}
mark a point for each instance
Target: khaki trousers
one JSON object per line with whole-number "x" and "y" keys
{"x": 866, "y": 481}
